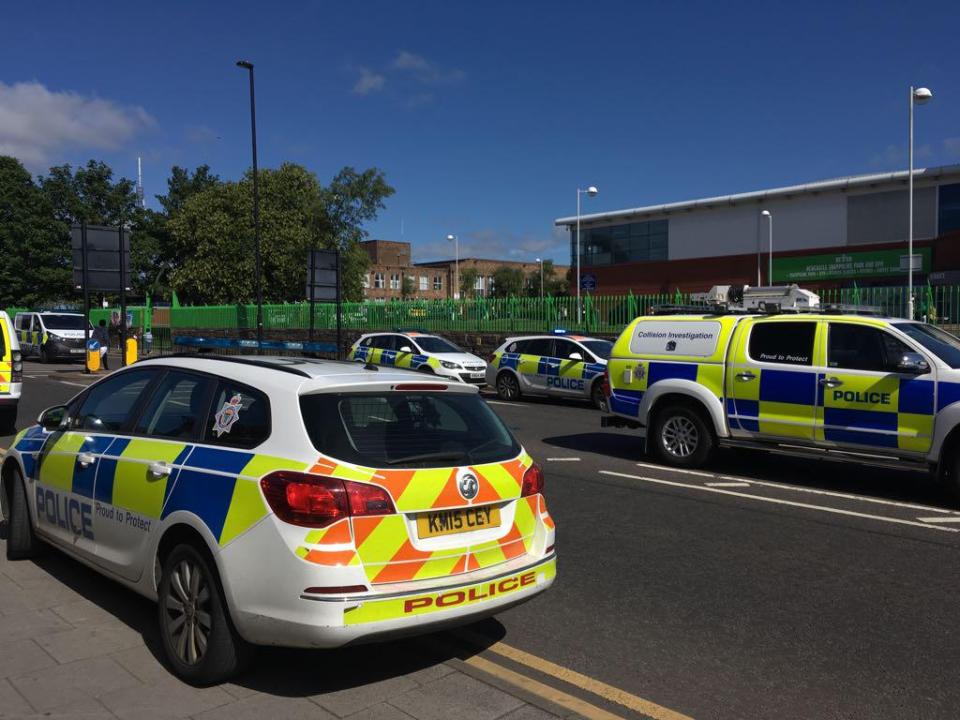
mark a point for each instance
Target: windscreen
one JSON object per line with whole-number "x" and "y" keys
{"x": 600, "y": 348}
{"x": 432, "y": 344}
{"x": 406, "y": 429}
{"x": 941, "y": 343}
{"x": 63, "y": 322}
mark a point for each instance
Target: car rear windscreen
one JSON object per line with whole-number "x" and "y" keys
{"x": 407, "y": 429}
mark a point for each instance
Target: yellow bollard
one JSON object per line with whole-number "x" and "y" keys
{"x": 131, "y": 354}
{"x": 93, "y": 356}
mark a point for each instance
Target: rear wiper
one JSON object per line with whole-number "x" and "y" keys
{"x": 428, "y": 456}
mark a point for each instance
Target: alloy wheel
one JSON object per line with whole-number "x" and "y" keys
{"x": 680, "y": 436}
{"x": 187, "y": 610}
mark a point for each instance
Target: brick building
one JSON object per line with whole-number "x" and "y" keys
{"x": 391, "y": 262}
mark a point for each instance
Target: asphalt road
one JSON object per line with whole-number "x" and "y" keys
{"x": 766, "y": 587}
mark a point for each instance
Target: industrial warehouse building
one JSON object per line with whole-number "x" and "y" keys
{"x": 825, "y": 234}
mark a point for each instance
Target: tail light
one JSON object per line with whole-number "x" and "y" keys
{"x": 605, "y": 383}
{"x": 16, "y": 367}
{"x": 532, "y": 481}
{"x": 317, "y": 501}
{"x": 420, "y": 387}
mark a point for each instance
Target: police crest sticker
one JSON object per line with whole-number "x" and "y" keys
{"x": 227, "y": 415}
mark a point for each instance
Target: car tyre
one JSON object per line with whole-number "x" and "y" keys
{"x": 681, "y": 437}
{"x": 44, "y": 355}
{"x": 597, "y": 396}
{"x": 200, "y": 642}
{"x": 22, "y": 541}
{"x": 8, "y": 420}
{"x": 507, "y": 386}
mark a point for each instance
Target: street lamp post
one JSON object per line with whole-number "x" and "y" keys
{"x": 592, "y": 192}
{"x": 456, "y": 265}
{"x": 256, "y": 205}
{"x": 539, "y": 260}
{"x": 918, "y": 96}
{"x": 769, "y": 216}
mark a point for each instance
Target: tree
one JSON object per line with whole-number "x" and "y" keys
{"x": 552, "y": 285}
{"x": 213, "y": 232}
{"x": 36, "y": 267}
{"x": 90, "y": 195}
{"x": 407, "y": 287}
{"x": 468, "y": 282}
{"x": 154, "y": 252}
{"x": 507, "y": 281}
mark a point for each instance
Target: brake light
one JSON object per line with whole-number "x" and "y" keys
{"x": 420, "y": 386}
{"x": 16, "y": 367}
{"x": 605, "y": 383}
{"x": 532, "y": 481}
{"x": 317, "y": 501}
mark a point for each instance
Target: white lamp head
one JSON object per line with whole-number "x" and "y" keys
{"x": 537, "y": 260}
{"x": 922, "y": 95}
{"x": 592, "y": 191}
{"x": 766, "y": 213}
{"x": 451, "y": 238}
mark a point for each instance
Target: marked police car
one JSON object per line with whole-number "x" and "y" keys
{"x": 11, "y": 374}
{"x": 284, "y": 501}
{"x": 51, "y": 335}
{"x": 875, "y": 390}
{"x": 558, "y": 365}
{"x": 419, "y": 351}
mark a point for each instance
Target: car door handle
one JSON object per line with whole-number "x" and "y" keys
{"x": 85, "y": 459}
{"x": 830, "y": 382}
{"x": 747, "y": 375}
{"x": 159, "y": 469}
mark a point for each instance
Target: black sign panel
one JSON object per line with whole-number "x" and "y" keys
{"x": 322, "y": 270}
{"x": 103, "y": 257}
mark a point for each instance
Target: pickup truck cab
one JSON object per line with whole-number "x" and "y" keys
{"x": 871, "y": 389}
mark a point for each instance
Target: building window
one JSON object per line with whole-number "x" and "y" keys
{"x": 395, "y": 281}
{"x": 366, "y": 281}
{"x": 949, "y": 209}
{"x": 438, "y": 282}
{"x": 630, "y": 242}
{"x": 424, "y": 282}
{"x": 478, "y": 284}
{"x": 378, "y": 280}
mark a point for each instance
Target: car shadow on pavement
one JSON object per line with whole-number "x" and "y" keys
{"x": 279, "y": 671}
{"x": 608, "y": 444}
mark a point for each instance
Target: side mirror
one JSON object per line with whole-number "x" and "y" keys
{"x": 52, "y": 418}
{"x": 575, "y": 356}
{"x": 913, "y": 364}
{"x": 406, "y": 349}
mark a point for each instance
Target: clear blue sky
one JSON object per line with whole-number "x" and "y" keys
{"x": 487, "y": 116}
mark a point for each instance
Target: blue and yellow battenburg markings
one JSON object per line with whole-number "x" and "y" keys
{"x": 217, "y": 485}
{"x": 626, "y": 397}
{"x": 569, "y": 374}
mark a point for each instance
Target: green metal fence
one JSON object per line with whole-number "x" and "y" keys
{"x": 600, "y": 314}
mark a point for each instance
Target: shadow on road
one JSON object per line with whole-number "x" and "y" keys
{"x": 608, "y": 444}
{"x": 279, "y": 671}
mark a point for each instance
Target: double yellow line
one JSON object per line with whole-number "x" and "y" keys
{"x": 571, "y": 677}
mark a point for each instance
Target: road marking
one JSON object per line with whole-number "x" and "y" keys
{"x": 801, "y": 488}
{"x": 940, "y": 519}
{"x": 563, "y": 459}
{"x": 558, "y": 697}
{"x": 698, "y": 473}
{"x": 572, "y": 677}
{"x": 727, "y": 484}
{"x": 791, "y": 503}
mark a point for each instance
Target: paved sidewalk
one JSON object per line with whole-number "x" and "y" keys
{"x": 76, "y": 645}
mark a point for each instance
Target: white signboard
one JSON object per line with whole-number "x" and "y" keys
{"x": 656, "y": 337}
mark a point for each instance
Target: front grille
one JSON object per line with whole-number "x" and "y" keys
{"x": 475, "y": 368}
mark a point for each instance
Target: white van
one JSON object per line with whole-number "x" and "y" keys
{"x": 51, "y": 335}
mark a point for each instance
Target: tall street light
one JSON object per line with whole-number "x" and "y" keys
{"x": 769, "y": 217}
{"x": 918, "y": 96}
{"x": 256, "y": 205}
{"x": 539, "y": 260}
{"x": 456, "y": 265}
{"x": 592, "y": 192}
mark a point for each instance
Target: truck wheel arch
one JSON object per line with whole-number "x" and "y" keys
{"x": 688, "y": 392}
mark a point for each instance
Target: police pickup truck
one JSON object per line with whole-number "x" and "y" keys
{"x": 778, "y": 372}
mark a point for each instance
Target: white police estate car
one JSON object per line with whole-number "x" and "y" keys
{"x": 419, "y": 351}
{"x": 284, "y": 501}
{"x": 560, "y": 365}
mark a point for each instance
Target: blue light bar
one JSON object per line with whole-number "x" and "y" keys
{"x": 559, "y": 331}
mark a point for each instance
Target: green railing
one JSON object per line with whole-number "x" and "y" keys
{"x": 600, "y": 314}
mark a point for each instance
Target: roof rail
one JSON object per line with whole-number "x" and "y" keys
{"x": 675, "y": 309}
{"x": 287, "y": 367}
